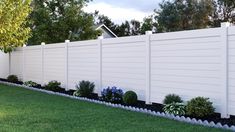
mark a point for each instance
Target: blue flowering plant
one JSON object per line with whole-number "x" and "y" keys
{"x": 112, "y": 94}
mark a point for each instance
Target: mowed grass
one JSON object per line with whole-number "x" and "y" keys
{"x": 23, "y": 110}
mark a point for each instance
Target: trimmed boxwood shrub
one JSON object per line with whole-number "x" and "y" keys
{"x": 199, "y": 107}
{"x": 113, "y": 95}
{"x": 171, "y": 98}
{"x": 53, "y": 86}
{"x": 130, "y": 98}
{"x": 84, "y": 89}
{"x": 12, "y": 78}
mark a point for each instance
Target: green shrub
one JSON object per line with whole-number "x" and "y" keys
{"x": 13, "y": 78}
{"x": 199, "y": 107}
{"x": 53, "y": 86}
{"x": 84, "y": 89}
{"x": 171, "y": 98}
{"x": 31, "y": 84}
{"x": 175, "y": 108}
{"x": 130, "y": 98}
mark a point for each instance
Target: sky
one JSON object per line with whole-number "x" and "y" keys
{"x": 121, "y": 10}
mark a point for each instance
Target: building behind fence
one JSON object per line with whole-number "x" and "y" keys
{"x": 187, "y": 63}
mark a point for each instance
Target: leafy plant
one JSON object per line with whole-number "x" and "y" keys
{"x": 130, "y": 98}
{"x": 31, "y": 84}
{"x": 13, "y": 78}
{"x": 200, "y": 107}
{"x": 84, "y": 89}
{"x": 171, "y": 98}
{"x": 13, "y": 23}
{"x": 175, "y": 108}
{"x": 113, "y": 95}
{"x": 53, "y": 86}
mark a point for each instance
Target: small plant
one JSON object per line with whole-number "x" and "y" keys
{"x": 31, "y": 84}
{"x": 171, "y": 98}
{"x": 200, "y": 107}
{"x": 84, "y": 89}
{"x": 53, "y": 86}
{"x": 13, "y": 78}
{"x": 175, "y": 108}
{"x": 130, "y": 98}
{"x": 113, "y": 95}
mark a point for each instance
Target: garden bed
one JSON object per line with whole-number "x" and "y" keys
{"x": 27, "y": 110}
{"x": 155, "y": 107}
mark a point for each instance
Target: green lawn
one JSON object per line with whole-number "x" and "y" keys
{"x": 26, "y": 110}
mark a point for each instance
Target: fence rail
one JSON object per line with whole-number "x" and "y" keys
{"x": 188, "y": 63}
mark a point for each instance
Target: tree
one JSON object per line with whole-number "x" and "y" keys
{"x": 224, "y": 12}
{"x": 13, "y": 18}
{"x": 184, "y": 15}
{"x": 227, "y": 10}
{"x": 127, "y": 28}
{"x": 135, "y": 27}
{"x": 148, "y": 25}
{"x": 123, "y": 29}
{"x": 57, "y": 20}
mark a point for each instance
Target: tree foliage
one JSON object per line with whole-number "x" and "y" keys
{"x": 57, "y": 20}
{"x": 13, "y": 19}
{"x": 179, "y": 15}
{"x": 149, "y": 24}
{"x": 224, "y": 11}
{"x": 127, "y": 28}
{"x": 184, "y": 15}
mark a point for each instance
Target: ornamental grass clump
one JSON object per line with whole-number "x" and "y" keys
{"x": 84, "y": 89}
{"x": 113, "y": 95}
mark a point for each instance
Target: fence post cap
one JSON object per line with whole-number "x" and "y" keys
{"x": 43, "y": 43}
{"x": 24, "y": 45}
{"x": 67, "y": 41}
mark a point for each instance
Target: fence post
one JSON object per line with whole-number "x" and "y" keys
{"x": 23, "y": 61}
{"x": 224, "y": 39}
{"x": 42, "y": 62}
{"x": 100, "y": 38}
{"x": 66, "y": 66}
{"x": 9, "y": 63}
{"x": 148, "y": 68}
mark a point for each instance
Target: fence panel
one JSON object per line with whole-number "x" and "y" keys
{"x": 188, "y": 64}
{"x": 231, "y": 81}
{"x": 17, "y": 63}
{"x": 123, "y": 64}
{"x": 54, "y": 63}
{"x": 82, "y": 62}
{"x": 4, "y": 65}
{"x": 33, "y": 64}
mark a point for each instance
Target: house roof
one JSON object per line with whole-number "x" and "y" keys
{"x": 97, "y": 27}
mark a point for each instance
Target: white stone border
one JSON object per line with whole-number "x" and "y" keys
{"x": 130, "y": 108}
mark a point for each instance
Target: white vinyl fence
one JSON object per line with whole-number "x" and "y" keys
{"x": 187, "y": 63}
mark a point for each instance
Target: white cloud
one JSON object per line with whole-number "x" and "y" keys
{"x": 117, "y": 14}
